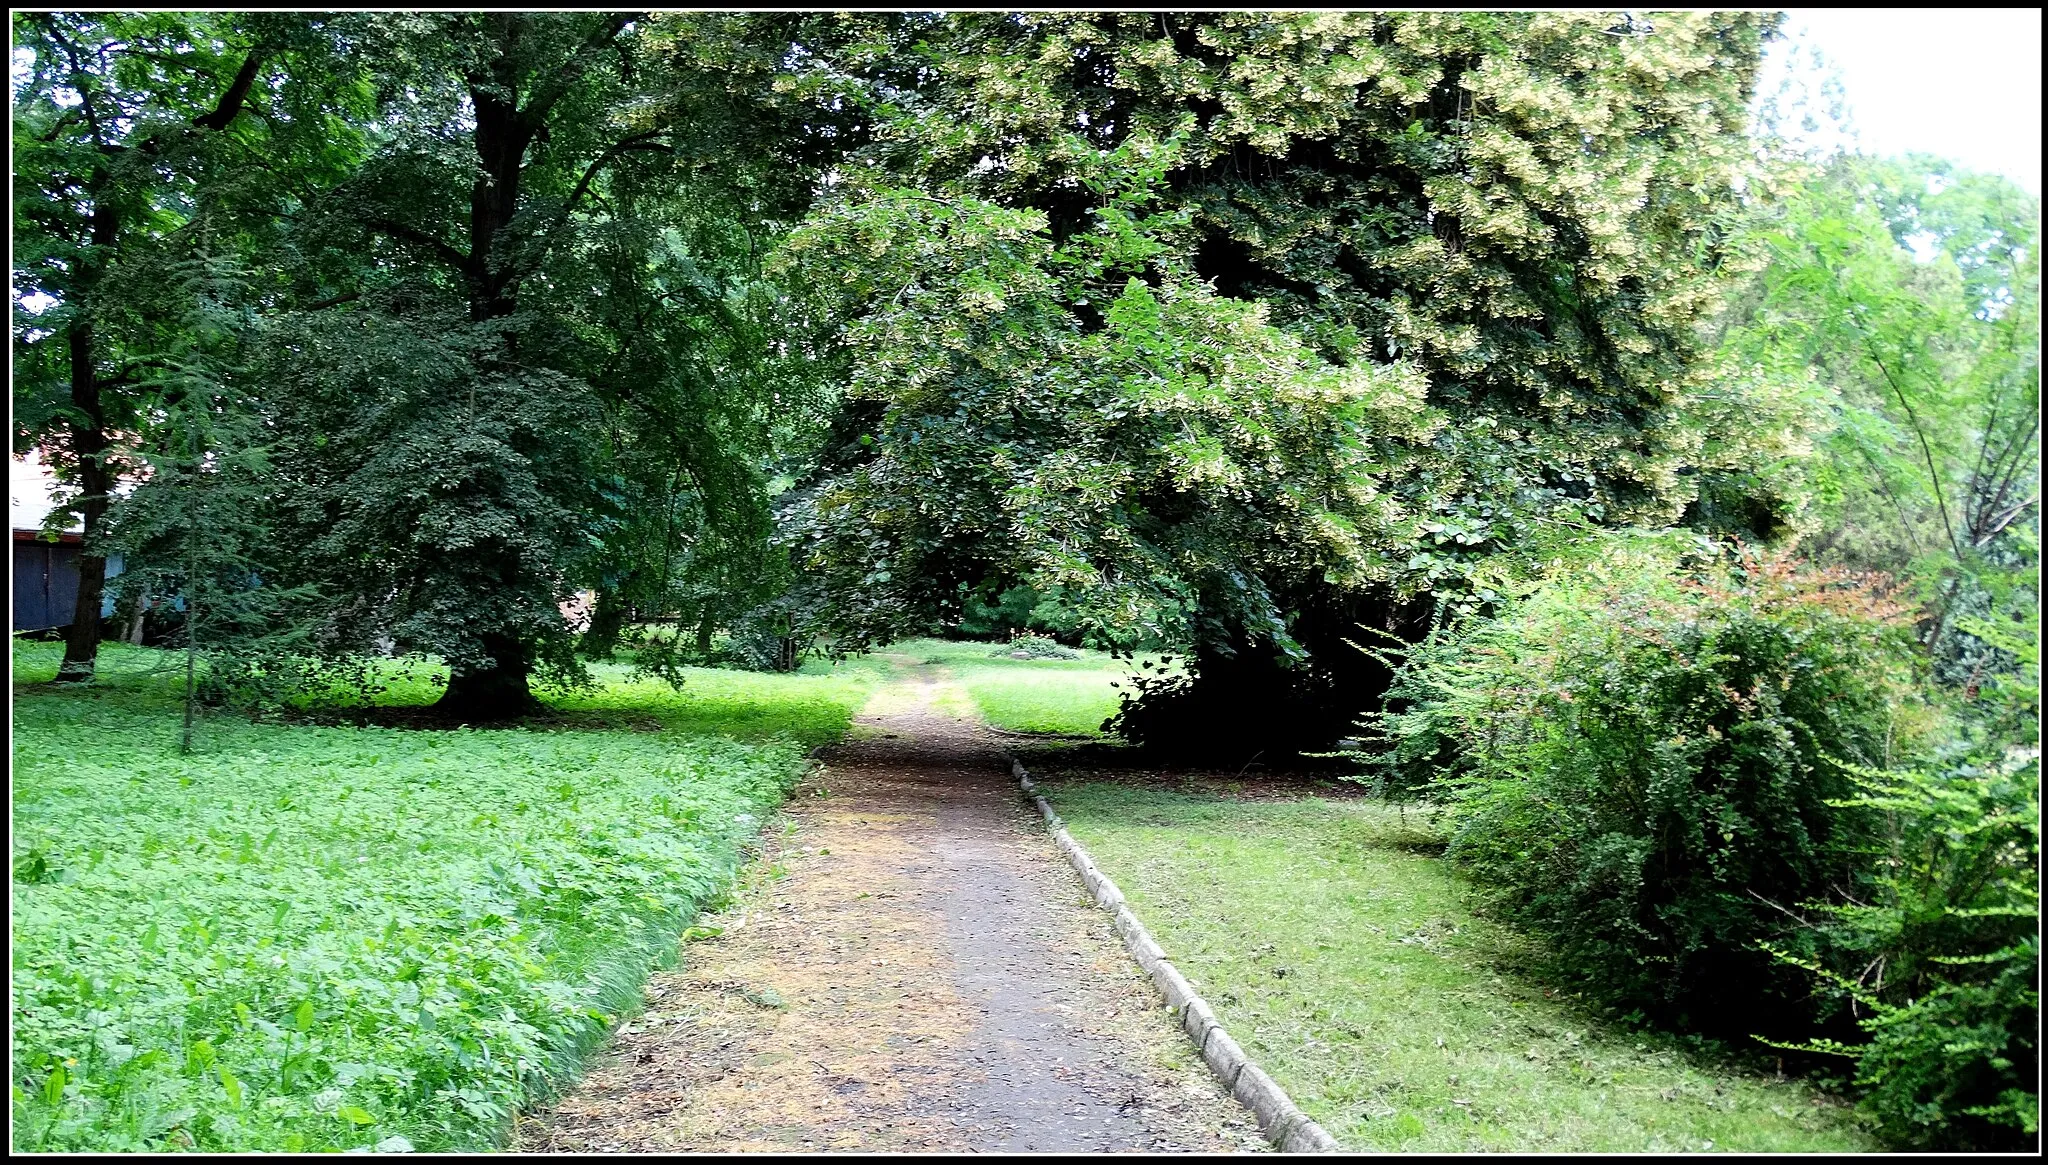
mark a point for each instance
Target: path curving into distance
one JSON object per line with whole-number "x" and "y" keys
{"x": 913, "y": 967}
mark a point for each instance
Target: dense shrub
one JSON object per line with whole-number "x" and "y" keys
{"x": 1943, "y": 957}
{"x": 1642, "y": 767}
{"x": 1943, "y": 961}
{"x": 1032, "y": 646}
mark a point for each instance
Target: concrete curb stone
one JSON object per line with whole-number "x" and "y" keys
{"x": 1283, "y": 1123}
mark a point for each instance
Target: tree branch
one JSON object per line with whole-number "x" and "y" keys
{"x": 544, "y": 99}
{"x": 70, "y": 115}
{"x": 1926, "y": 450}
{"x": 447, "y": 254}
{"x": 639, "y": 141}
{"x": 333, "y": 301}
{"x": 544, "y": 240}
{"x": 2009, "y": 477}
{"x": 1999, "y": 521}
{"x": 231, "y": 101}
{"x": 78, "y": 76}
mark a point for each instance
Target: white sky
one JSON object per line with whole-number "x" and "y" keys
{"x": 28, "y": 491}
{"x": 1961, "y": 83}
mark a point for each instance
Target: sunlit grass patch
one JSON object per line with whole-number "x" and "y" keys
{"x": 810, "y": 706}
{"x": 1338, "y": 951}
{"x": 1070, "y": 697}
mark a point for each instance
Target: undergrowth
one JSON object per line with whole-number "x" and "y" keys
{"x": 317, "y": 938}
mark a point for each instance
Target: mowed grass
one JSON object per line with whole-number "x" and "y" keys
{"x": 315, "y": 938}
{"x": 1339, "y": 953}
{"x": 1064, "y": 697}
{"x": 812, "y": 705}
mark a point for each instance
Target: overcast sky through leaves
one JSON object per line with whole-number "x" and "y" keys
{"x": 1961, "y": 83}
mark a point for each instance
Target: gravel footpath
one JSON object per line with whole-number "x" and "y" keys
{"x": 912, "y": 966}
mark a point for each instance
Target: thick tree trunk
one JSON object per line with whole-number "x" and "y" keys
{"x": 498, "y": 692}
{"x": 501, "y": 137}
{"x": 88, "y": 444}
{"x": 503, "y": 132}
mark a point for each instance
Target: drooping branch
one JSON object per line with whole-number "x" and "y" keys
{"x": 640, "y": 141}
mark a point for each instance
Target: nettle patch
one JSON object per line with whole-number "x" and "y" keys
{"x": 309, "y": 939}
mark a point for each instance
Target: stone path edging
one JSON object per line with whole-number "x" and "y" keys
{"x": 1283, "y": 1123}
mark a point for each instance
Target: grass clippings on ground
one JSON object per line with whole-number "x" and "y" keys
{"x": 1338, "y": 950}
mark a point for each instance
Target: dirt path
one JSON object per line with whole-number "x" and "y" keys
{"x": 912, "y": 966}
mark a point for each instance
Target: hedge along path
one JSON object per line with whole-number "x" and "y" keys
{"x": 1281, "y": 1119}
{"x": 909, "y": 966}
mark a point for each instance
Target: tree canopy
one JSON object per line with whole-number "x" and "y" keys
{"x": 1480, "y": 247}
{"x": 1236, "y": 334}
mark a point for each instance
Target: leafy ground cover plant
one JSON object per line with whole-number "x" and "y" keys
{"x": 1034, "y": 646}
{"x": 1340, "y": 950}
{"x": 322, "y": 937}
{"x": 1643, "y": 767}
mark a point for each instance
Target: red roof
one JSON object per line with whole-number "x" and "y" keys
{"x": 67, "y": 538}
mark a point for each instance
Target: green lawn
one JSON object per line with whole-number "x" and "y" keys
{"x": 1069, "y": 697}
{"x": 1337, "y": 951}
{"x": 306, "y": 937}
{"x": 811, "y": 705}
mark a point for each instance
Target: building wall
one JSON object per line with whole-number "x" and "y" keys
{"x": 46, "y": 584}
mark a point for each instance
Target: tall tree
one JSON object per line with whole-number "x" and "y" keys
{"x": 124, "y": 124}
{"x": 1531, "y": 209}
{"x": 547, "y": 330}
{"x": 1904, "y": 296}
{"x": 199, "y": 525}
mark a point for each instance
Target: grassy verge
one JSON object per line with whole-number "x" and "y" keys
{"x": 811, "y": 706}
{"x": 306, "y": 937}
{"x": 1335, "y": 948}
{"x": 1068, "y": 697}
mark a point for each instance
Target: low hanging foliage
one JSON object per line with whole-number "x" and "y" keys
{"x": 1082, "y": 415}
